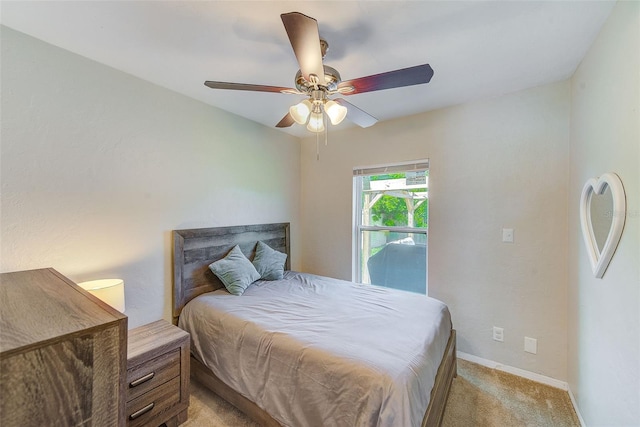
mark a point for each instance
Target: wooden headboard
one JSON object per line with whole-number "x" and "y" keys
{"x": 195, "y": 249}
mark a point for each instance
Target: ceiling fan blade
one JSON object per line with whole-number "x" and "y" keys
{"x": 242, "y": 86}
{"x": 286, "y": 121}
{"x": 356, "y": 115}
{"x": 398, "y": 78}
{"x": 305, "y": 41}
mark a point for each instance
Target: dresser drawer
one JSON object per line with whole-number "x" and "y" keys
{"x": 154, "y": 404}
{"x": 146, "y": 376}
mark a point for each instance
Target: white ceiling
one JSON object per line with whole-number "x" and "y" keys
{"x": 478, "y": 49}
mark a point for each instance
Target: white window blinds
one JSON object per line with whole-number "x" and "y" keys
{"x": 421, "y": 165}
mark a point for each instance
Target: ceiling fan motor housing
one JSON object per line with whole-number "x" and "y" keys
{"x": 331, "y": 77}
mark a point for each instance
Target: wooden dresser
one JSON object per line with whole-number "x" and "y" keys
{"x": 62, "y": 353}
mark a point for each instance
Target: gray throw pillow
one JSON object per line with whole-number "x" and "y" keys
{"x": 268, "y": 262}
{"x": 235, "y": 271}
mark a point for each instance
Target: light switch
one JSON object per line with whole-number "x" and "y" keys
{"x": 507, "y": 235}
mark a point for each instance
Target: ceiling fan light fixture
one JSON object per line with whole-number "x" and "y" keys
{"x": 316, "y": 124}
{"x": 300, "y": 112}
{"x": 335, "y": 111}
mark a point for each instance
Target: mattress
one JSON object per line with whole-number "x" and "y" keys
{"x": 315, "y": 351}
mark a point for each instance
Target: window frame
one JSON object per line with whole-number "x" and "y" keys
{"x": 358, "y": 228}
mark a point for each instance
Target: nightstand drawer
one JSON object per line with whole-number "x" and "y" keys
{"x": 153, "y": 404}
{"x": 155, "y": 372}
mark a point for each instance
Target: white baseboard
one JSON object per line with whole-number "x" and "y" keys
{"x": 524, "y": 374}
{"x": 575, "y": 408}
{"x": 515, "y": 371}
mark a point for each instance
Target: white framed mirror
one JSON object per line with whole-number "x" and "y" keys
{"x": 603, "y": 210}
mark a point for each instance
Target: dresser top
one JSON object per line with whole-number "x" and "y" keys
{"x": 39, "y": 306}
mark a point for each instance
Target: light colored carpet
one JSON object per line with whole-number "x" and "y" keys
{"x": 479, "y": 397}
{"x": 485, "y": 397}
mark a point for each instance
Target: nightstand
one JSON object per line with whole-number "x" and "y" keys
{"x": 157, "y": 388}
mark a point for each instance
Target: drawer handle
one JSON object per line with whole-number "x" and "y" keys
{"x": 142, "y": 411}
{"x": 142, "y": 380}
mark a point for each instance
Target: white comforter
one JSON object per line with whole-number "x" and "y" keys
{"x": 315, "y": 351}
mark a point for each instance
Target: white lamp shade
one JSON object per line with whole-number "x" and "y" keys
{"x": 110, "y": 291}
{"x": 335, "y": 111}
{"x": 316, "y": 124}
{"x": 300, "y": 112}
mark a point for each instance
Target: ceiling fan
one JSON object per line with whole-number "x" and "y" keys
{"x": 318, "y": 81}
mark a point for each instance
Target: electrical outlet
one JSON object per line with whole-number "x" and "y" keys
{"x": 498, "y": 334}
{"x": 507, "y": 235}
{"x": 531, "y": 345}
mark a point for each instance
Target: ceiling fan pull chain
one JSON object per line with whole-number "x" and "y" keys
{"x": 317, "y": 146}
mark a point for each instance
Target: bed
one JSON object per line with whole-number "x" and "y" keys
{"x": 372, "y": 390}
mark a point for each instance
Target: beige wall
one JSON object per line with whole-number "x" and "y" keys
{"x": 604, "y": 314}
{"x": 494, "y": 164}
{"x": 98, "y": 167}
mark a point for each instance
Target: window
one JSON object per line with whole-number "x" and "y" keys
{"x": 391, "y": 213}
